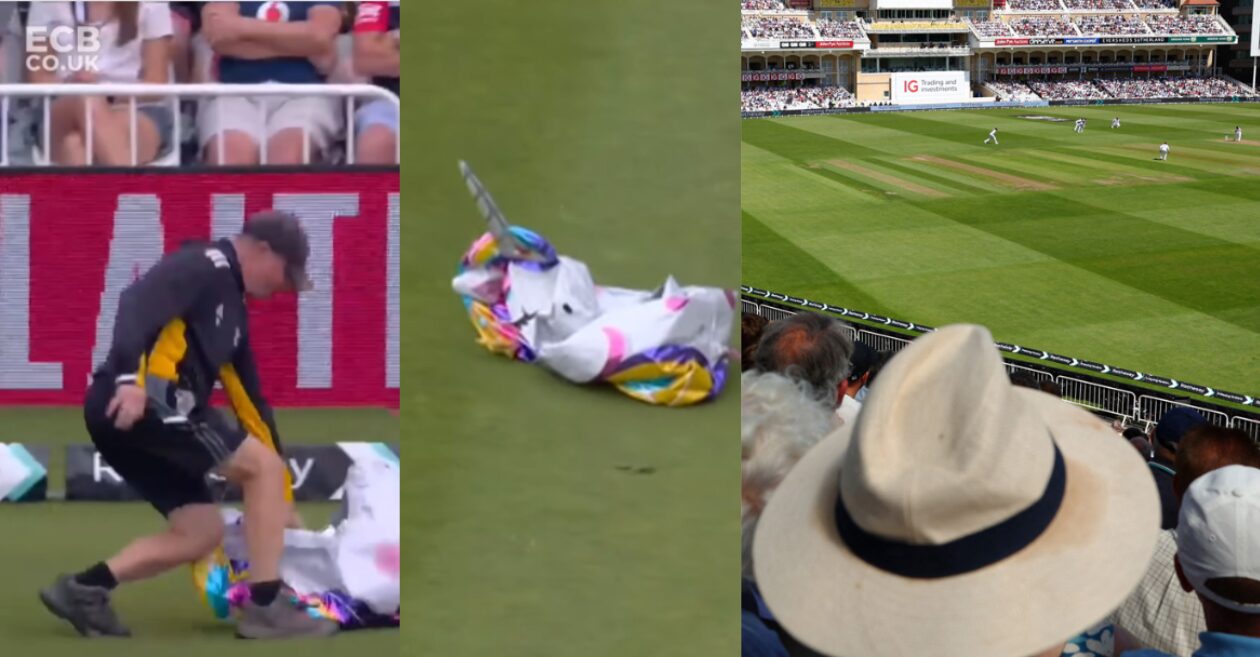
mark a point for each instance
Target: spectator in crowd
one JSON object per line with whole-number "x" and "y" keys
{"x": 810, "y": 348}
{"x": 751, "y": 328}
{"x": 1184, "y": 24}
{"x": 257, "y": 42}
{"x": 860, "y": 365}
{"x": 1158, "y": 613}
{"x": 1218, "y": 558}
{"x": 1137, "y": 437}
{"x": 780, "y": 420}
{"x": 978, "y": 519}
{"x": 1111, "y": 25}
{"x": 377, "y": 54}
{"x": 186, "y": 21}
{"x": 881, "y": 359}
{"x": 135, "y": 47}
{"x": 1168, "y": 433}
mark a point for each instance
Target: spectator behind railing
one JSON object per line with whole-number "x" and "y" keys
{"x": 258, "y": 42}
{"x": 1155, "y": 4}
{"x": 377, "y": 54}
{"x": 134, "y": 47}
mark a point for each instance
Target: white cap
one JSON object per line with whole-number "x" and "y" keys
{"x": 1218, "y": 533}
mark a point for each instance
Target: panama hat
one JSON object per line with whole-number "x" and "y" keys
{"x": 958, "y": 515}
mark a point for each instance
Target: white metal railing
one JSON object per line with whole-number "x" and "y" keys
{"x": 749, "y": 307}
{"x": 1124, "y": 404}
{"x": 1152, "y": 408}
{"x": 1252, "y": 427}
{"x": 350, "y": 92}
{"x": 881, "y": 342}
{"x": 1099, "y": 397}
{"x": 1039, "y": 375}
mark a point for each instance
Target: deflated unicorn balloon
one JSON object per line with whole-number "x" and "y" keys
{"x": 668, "y": 346}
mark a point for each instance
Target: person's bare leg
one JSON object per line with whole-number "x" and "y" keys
{"x": 258, "y": 470}
{"x": 111, "y": 137}
{"x": 377, "y": 145}
{"x": 285, "y": 147}
{"x": 239, "y": 149}
{"x": 194, "y": 531}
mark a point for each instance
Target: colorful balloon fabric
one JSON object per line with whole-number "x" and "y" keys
{"x": 668, "y": 346}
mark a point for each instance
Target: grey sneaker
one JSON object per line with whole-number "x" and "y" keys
{"x": 286, "y": 617}
{"x": 87, "y": 608}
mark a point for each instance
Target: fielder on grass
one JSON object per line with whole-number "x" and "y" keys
{"x": 1163, "y": 151}
{"x": 181, "y": 327}
{"x": 1115, "y": 123}
{"x": 1238, "y": 133}
{"x": 992, "y": 136}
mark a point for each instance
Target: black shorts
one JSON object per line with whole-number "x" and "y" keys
{"x": 165, "y": 463}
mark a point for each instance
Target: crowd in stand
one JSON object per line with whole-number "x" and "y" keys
{"x": 763, "y": 5}
{"x": 238, "y": 43}
{"x": 992, "y": 28}
{"x": 1098, "y": 89}
{"x": 1035, "y": 5}
{"x": 1067, "y": 90}
{"x": 1041, "y": 26}
{"x": 1110, "y": 25}
{"x": 840, "y": 29}
{"x": 1098, "y": 5}
{"x": 769, "y": 27}
{"x": 1155, "y": 4}
{"x": 1184, "y": 24}
{"x": 988, "y": 518}
{"x": 1170, "y": 87}
{"x": 774, "y": 100}
{"x": 1013, "y": 91}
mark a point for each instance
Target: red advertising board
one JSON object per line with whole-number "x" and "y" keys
{"x": 1011, "y": 42}
{"x": 69, "y": 244}
{"x": 833, "y": 44}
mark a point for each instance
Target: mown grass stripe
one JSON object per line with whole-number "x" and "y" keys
{"x": 936, "y": 177}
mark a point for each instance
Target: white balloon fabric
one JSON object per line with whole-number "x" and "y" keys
{"x": 349, "y": 572}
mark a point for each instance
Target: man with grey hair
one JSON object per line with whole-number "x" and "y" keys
{"x": 809, "y": 348}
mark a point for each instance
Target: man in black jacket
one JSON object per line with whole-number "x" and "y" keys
{"x": 180, "y": 328}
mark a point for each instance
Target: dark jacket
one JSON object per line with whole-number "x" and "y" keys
{"x": 184, "y": 325}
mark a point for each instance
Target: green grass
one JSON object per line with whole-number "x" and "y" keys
{"x": 165, "y": 614}
{"x": 528, "y": 535}
{"x": 1083, "y": 245}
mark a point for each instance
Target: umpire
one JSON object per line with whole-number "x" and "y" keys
{"x": 181, "y": 327}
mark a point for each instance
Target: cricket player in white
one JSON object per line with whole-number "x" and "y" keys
{"x": 1080, "y": 126}
{"x": 1163, "y": 151}
{"x": 992, "y": 136}
{"x": 1238, "y": 133}
{"x": 1115, "y": 123}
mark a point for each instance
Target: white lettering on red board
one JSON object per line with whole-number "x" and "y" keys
{"x": 16, "y": 368}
